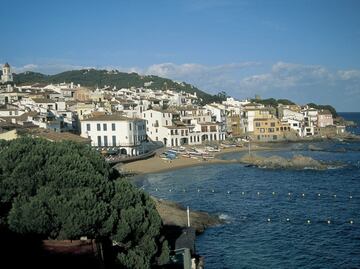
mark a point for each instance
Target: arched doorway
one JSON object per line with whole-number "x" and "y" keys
{"x": 123, "y": 151}
{"x": 204, "y": 137}
{"x": 165, "y": 142}
{"x": 184, "y": 141}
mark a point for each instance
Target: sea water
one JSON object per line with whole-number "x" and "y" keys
{"x": 274, "y": 218}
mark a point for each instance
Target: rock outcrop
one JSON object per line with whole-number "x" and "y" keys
{"x": 298, "y": 162}
{"x": 173, "y": 214}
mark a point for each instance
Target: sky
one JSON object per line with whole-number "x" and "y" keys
{"x": 303, "y": 50}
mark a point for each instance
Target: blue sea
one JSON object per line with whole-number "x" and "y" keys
{"x": 275, "y": 218}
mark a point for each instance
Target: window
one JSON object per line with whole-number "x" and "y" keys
{"x": 98, "y": 127}
{"x": 113, "y": 126}
{"x": 262, "y": 130}
{"x": 130, "y": 126}
{"x": 272, "y": 124}
{"x": 166, "y": 122}
{"x": 144, "y": 115}
{"x": 257, "y": 124}
{"x": 114, "y": 140}
{"x": 99, "y": 141}
{"x": 105, "y": 127}
{"x": 156, "y": 130}
{"x": 105, "y": 141}
{"x": 88, "y": 127}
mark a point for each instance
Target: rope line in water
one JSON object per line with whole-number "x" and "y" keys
{"x": 258, "y": 193}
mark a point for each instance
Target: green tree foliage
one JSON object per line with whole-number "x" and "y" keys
{"x": 273, "y": 102}
{"x": 63, "y": 191}
{"x": 324, "y": 107}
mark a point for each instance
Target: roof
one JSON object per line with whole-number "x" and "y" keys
{"x": 54, "y": 136}
{"x": 112, "y": 117}
{"x": 6, "y": 65}
{"x": 209, "y": 123}
{"x": 176, "y": 127}
{"x": 42, "y": 100}
{"x": 22, "y": 117}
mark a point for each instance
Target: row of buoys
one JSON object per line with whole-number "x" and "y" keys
{"x": 328, "y": 221}
{"x": 243, "y": 193}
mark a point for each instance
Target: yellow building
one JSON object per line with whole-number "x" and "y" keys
{"x": 270, "y": 129}
{"x": 234, "y": 125}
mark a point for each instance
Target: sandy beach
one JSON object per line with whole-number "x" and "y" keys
{"x": 157, "y": 164}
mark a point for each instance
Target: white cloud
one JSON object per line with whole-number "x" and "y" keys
{"x": 349, "y": 74}
{"x": 193, "y": 69}
{"x": 27, "y": 67}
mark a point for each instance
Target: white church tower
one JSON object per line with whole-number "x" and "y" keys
{"x": 7, "y": 75}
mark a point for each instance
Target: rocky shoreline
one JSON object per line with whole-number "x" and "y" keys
{"x": 297, "y": 162}
{"x": 173, "y": 214}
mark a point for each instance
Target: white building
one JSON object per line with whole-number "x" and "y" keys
{"x": 175, "y": 129}
{"x": 7, "y": 75}
{"x": 294, "y": 118}
{"x": 310, "y": 121}
{"x": 117, "y": 131}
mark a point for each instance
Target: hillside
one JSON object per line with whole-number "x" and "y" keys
{"x": 274, "y": 103}
{"x": 100, "y": 78}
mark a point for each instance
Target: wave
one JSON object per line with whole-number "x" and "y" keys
{"x": 226, "y": 218}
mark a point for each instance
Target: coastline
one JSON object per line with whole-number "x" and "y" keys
{"x": 158, "y": 165}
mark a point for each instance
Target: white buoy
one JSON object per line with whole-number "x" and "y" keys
{"x": 156, "y": 189}
{"x": 319, "y": 194}
{"x": 228, "y": 192}
{"x": 351, "y": 221}
{"x": 334, "y": 195}
{"x": 268, "y": 220}
{"x": 287, "y": 219}
{"x": 198, "y": 190}
{"x": 258, "y": 193}
{"x": 308, "y": 221}
{"x": 289, "y": 193}
{"x": 212, "y": 190}
{"x": 273, "y": 193}
{"x": 184, "y": 190}
{"x": 170, "y": 190}
{"x": 350, "y": 197}
{"x": 328, "y": 222}
{"x": 303, "y": 194}
{"x": 243, "y": 193}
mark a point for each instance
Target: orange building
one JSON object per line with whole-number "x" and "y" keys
{"x": 270, "y": 129}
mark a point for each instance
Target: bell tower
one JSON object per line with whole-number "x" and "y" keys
{"x": 7, "y": 75}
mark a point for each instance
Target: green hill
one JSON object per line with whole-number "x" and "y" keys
{"x": 100, "y": 78}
